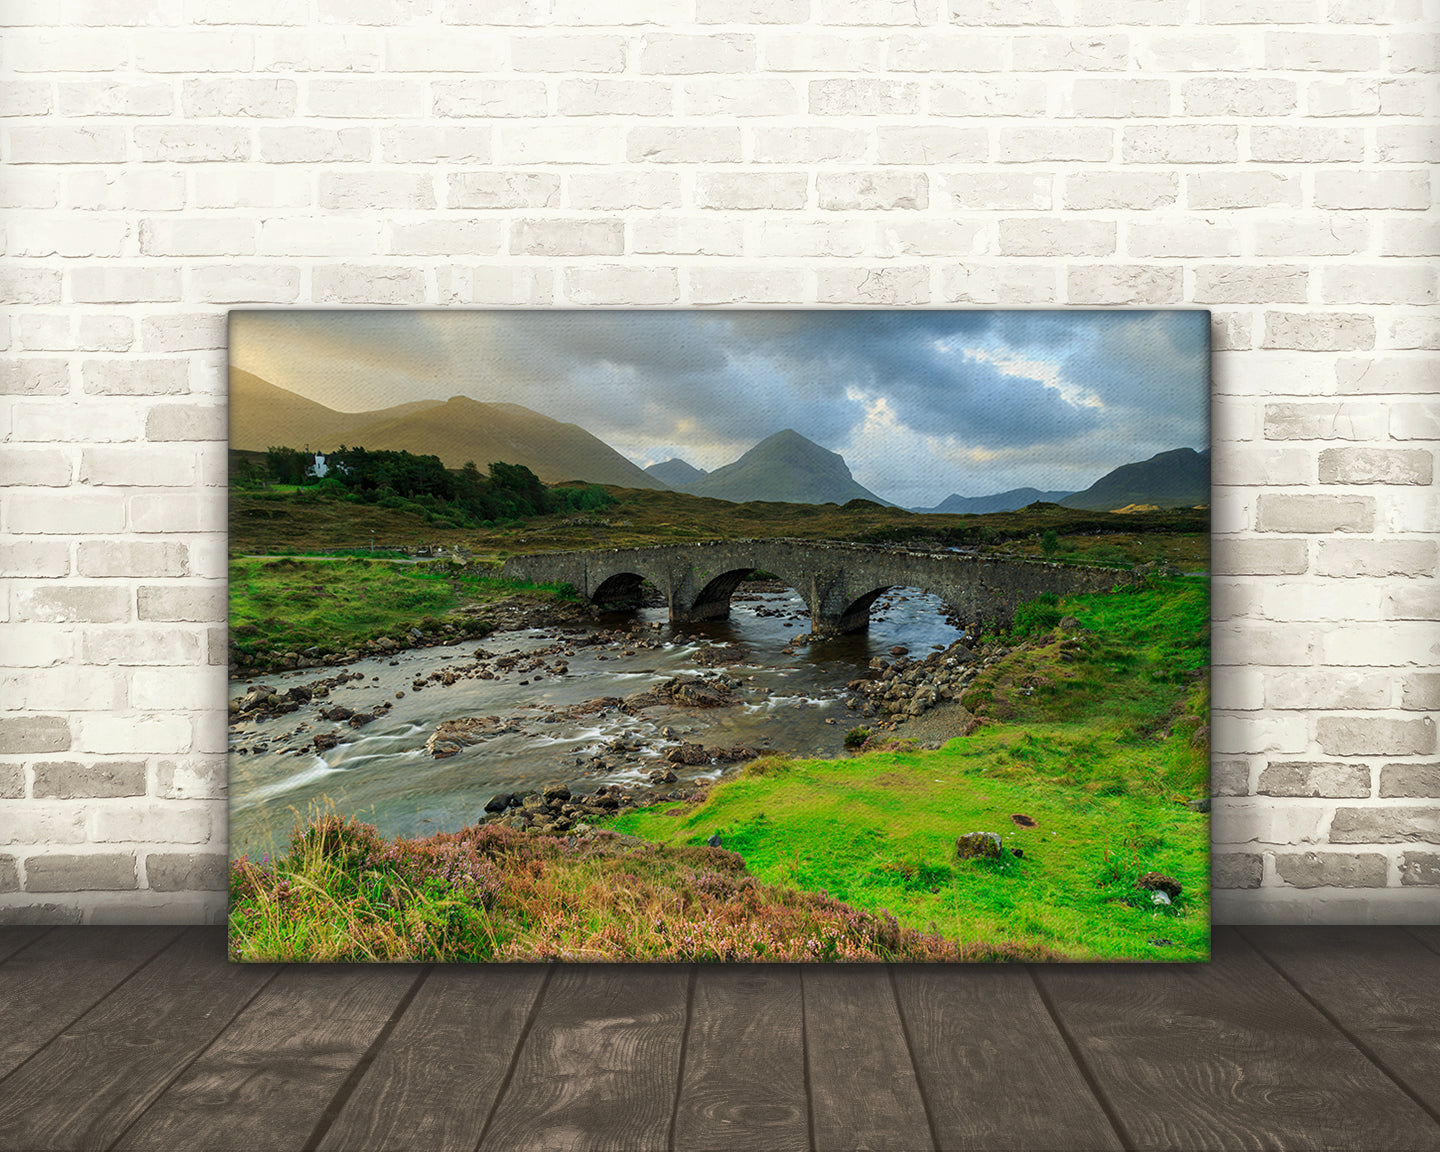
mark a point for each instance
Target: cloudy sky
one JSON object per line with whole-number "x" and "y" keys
{"x": 920, "y": 403}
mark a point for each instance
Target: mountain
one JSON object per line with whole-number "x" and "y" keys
{"x": 786, "y": 467}
{"x": 263, "y": 416}
{"x": 675, "y": 473}
{"x": 456, "y": 430}
{"x": 999, "y": 502}
{"x": 1177, "y": 479}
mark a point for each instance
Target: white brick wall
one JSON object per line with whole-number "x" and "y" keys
{"x": 1269, "y": 159}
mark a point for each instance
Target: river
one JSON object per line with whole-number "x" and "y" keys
{"x": 381, "y": 773}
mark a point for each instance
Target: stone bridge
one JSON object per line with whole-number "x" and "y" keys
{"x": 838, "y": 582}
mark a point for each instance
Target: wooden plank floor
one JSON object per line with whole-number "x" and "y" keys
{"x": 1291, "y": 1038}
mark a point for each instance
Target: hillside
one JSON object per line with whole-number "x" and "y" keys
{"x": 1177, "y": 479}
{"x": 676, "y": 473}
{"x": 1000, "y": 502}
{"x": 263, "y": 416}
{"x": 787, "y": 467}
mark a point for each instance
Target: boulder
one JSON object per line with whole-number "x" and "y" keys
{"x": 500, "y": 802}
{"x": 978, "y": 846}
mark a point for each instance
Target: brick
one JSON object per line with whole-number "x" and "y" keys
{"x": 557, "y": 237}
{"x": 873, "y": 285}
{"x": 1082, "y": 52}
{"x": 1420, "y": 691}
{"x": 1419, "y": 781}
{"x": 1180, "y": 144}
{"x": 1386, "y": 825}
{"x": 91, "y": 872}
{"x": 144, "y": 465}
{"x": 1048, "y": 236}
{"x": 1322, "y": 52}
{"x": 446, "y": 238}
{"x": 1414, "y": 422}
{"x": 1236, "y": 869}
{"x": 1238, "y": 96}
{"x": 1107, "y": 98}
{"x": 22, "y": 734}
{"x": 1383, "y": 558}
{"x": 12, "y": 781}
{"x": 673, "y": 54}
{"x": 96, "y": 421}
{"x": 191, "y": 143}
{"x": 369, "y": 285}
{"x": 70, "y": 604}
{"x": 26, "y": 98}
{"x": 807, "y": 145}
{"x": 186, "y": 871}
{"x": 68, "y": 144}
{"x": 923, "y": 237}
{"x": 426, "y": 144}
{"x": 369, "y": 191}
{"x": 1003, "y": 191}
{"x": 985, "y": 96}
{"x": 863, "y": 96}
{"x": 1197, "y": 51}
{"x": 1319, "y": 331}
{"x": 1325, "y": 421}
{"x": 305, "y": 144}
{"x": 1376, "y": 466}
{"x": 46, "y": 913}
{"x": 1280, "y": 512}
{"x": 32, "y": 558}
{"x": 46, "y": 824}
{"x": 1227, "y": 284}
{"x": 872, "y": 191}
{"x": 1316, "y": 779}
{"x": 752, "y": 11}
{"x": 931, "y": 144}
{"x": 810, "y": 238}
{"x": 1310, "y": 236}
{"x": 1242, "y": 821}
{"x": 35, "y": 237}
{"x": 34, "y": 377}
{"x": 70, "y": 780}
{"x": 1019, "y": 144}
{"x": 171, "y": 422}
{"x": 1124, "y": 284}
{"x": 9, "y": 875}
{"x": 503, "y": 189}
{"x": 683, "y": 145}
{"x": 157, "y": 688}
{"x": 1332, "y": 869}
{"x": 1242, "y": 189}
{"x": 341, "y": 50}
{"x": 595, "y": 97}
{"x": 496, "y": 11}
{"x": 1420, "y": 868}
{"x": 1390, "y": 283}
{"x": 491, "y": 284}
{"x": 872, "y": 12}
{"x": 233, "y": 97}
{"x": 133, "y": 285}
{"x": 135, "y": 377}
{"x": 1408, "y": 144}
{"x": 194, "y": 778}
{"x": 1129, "y": 189}
{"x": 741, "y": 97}
{"x": 1005, "y": 13}
{"x": 1375, "y": 736}
{"x": 1408, "y": 236}
{"x": 751, "y": 190}
{"x": 138, "y": 735}
{"x": 1250, "y": 643}
{"x": 1371, "y": 190}
{"x": 622, "y": 284}
{"x": 489, "y": 98}
{"x": 36, "y": 645}
{"x": 624, "y": 189}
{"x": 1230, "y": 778}
{"x": 366, "y": 98}
{"x": 29, "y": 285}
{"x": 1239, "y": 690}
{"x": 813, "y": 51}
{"x": 30, "y": 188}
{"x": 1332, "y": 688}
{"x": 36, "y": 468}
{"x": 170, "y": 602}
{"x": 1188, "y": 238}
{"x": 720, "y": 285}
{"x": 556, "y": 53}
{"x": 132, "y": 646}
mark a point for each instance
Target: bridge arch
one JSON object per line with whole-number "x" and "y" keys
{"x": 712, "y": 601}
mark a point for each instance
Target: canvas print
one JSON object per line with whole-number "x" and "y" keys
{"x": 719, "y": 636}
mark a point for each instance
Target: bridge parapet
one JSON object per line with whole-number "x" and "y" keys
{"x": 838, "y": 581}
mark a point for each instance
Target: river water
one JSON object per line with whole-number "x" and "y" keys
{"x": 381, "y": 773}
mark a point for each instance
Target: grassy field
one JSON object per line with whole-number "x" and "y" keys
{"x": 287, "y": 605}
{"x": 1091, "y": 743}
{"x": 273, "y": 521}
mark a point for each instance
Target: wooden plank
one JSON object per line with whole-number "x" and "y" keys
{"x": 15, "y": 937}
{"x": 98, "y": 1075}
{"x": 437, "y": 1077}
{"x": 863, "y": 1089}
{"x": 600, "y": 1065}
{"x": 1379, "y": 984}
{"x": 269, "y": 1077}
{"x": 1226, "y": 1055}
{"x": 977, "y": 1032}
{"x": 46, "y": 987}
{"x": 744, "y": 1079}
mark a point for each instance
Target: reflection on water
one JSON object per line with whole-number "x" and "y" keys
{"x": 381, "y": 773}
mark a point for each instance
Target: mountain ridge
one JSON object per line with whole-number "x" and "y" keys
{"x": 785, "y": 467}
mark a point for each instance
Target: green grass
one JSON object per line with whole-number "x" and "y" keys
{"x": 1100, "y": 751}
{"x": 290, "y": 604}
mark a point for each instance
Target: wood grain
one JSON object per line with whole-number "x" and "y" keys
{"x": 1227, "y": 1055}
{"x": 600, "y": 1066}
{"x": 15, "y": 937}
{"x": 744, "y": 1080}
{"x": 48, "y": 986}
{"x": 436, "y": 1079}
{"x": 267, "y": 1080}
{"x": 995, "y": 1071}
{"x": 863, "y": 1089}
{"x": 1380, "y": 984}
{"x": 102, "y": 1071}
